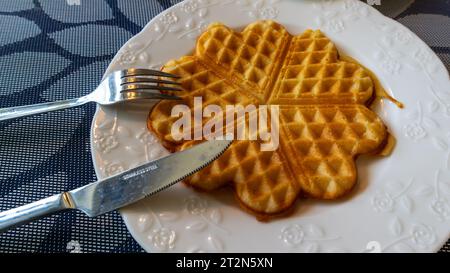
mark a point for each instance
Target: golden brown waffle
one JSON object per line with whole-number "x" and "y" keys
{"x": 313, "y": 74}
{"x": 323, "y": 141}
{"x": 198, "y": 81}
{"x": 324, "y": 124}
{"x": 262, "y": 180}
{"x": 251, "y": 58}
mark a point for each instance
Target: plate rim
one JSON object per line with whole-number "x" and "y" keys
{"x": 97, "y": 111}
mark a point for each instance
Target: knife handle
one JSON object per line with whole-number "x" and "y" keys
{"x": 32, "y": 211}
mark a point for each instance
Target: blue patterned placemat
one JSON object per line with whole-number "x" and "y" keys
{"x": 58, "y": 49}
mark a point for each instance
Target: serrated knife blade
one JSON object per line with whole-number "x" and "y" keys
{"x": 123, "y": 189}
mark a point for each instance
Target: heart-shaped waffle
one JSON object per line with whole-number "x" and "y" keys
{"x": 324, "y": 123}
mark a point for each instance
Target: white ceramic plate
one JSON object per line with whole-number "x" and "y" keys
{"x": 401, "y": 203}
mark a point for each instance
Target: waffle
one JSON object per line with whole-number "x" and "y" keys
{"x": 262, "y": 180}
{"x": 313, "y": 74}
{"x": 251, "y": 58}
{"x": 198, "y": 81}
{"x": 324, "y": 141}
{"x": 324, "y": 121}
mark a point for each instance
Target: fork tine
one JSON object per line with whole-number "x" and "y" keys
{"x": 146, "y": 72}
{"x": 148, "y": 87}
{"x": 149, "y": 95}
{"x": 130, "y": 79}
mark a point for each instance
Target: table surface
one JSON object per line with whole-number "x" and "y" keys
{"x": 52, "y": 50}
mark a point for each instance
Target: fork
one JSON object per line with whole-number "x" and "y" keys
{"x": 120, "y": 86}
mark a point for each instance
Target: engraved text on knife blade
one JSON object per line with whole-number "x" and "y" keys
{"x": 140, "y": 172}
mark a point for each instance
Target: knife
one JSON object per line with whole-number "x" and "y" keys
{"x": 120, "y": 190}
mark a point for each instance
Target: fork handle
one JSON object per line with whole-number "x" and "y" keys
{"x": 27, "y": 110}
